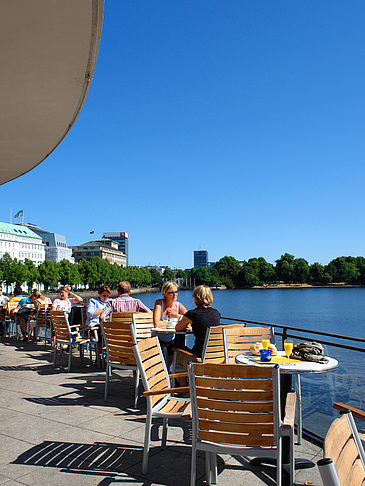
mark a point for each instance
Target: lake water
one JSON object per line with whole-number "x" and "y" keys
{"x": 339, "y": 311}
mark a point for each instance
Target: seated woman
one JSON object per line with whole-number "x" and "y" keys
{"x": 96, "y": 306}
{"x": 168, "y": 311}
{"x": 24, "y": 310}
{"x": 66, "y": 301}
{"x": 199, "y": 319}
{"x": 39, "y": 300}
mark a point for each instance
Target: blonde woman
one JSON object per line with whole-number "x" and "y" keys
{"x": 168, "y": 310}
{"x": 67, "y": 300}
{"x": 200, "y": 318}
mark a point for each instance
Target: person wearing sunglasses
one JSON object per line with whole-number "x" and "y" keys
{"x": 168, "y": 311}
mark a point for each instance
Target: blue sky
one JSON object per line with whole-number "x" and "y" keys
{"x": 236, "y": 127}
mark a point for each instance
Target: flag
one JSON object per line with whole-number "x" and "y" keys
{"x": 92, "y": 232}
{"x": 19, "y": 214}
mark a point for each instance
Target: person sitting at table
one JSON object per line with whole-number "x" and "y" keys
{"x": 38, "y": 301}
{"x": 67, "y": 300}
{"x": 3, "y": 303}
{"x": 199, "y": 319}
{"x": 24, "y": 310}
{"x": 96, "y": 306}
{"x": 168, "y": 309}
{"x": 124, "y": 302}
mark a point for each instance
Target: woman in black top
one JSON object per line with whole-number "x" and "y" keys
{"x": 199, "y": 319}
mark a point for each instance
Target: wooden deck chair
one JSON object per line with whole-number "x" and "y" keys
{"x": 11, "y": 319}
{"x": 356, "y": 412}
{"x": 66, "y": 335}
{"x": 43, "y": 319}
{"x": 118, "y": 342}
{"x": 344, "y": 457}
{"x": 93, "y": 334}
{"x": 157, "y": 386}
{"x": 236, "y": 411}
{"x": 213, "y": 349}
{"x": 238, "y": 339}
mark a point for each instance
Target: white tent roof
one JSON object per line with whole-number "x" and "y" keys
{"x": 47, "y": 57}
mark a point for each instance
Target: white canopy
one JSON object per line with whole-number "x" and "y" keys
{"x": 47, "y": 59}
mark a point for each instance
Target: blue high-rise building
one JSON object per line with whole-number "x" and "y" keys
{"x": 200, "y": 258}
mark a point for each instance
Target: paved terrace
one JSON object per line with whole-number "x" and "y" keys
{"x": 55, "y": 428}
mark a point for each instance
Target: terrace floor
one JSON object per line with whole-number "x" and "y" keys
{"x": 55, "y": 428}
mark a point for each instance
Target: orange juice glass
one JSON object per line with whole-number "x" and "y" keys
{"x": 265, "y": 343}
{"x": 288, "y": 348}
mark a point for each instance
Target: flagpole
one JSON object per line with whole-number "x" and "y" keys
{"x": 11, "y": 216}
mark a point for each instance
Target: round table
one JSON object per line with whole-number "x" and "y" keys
{"x": 287, "y": 370}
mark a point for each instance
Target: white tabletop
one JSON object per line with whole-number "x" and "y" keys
{"x": 293, "y": 368}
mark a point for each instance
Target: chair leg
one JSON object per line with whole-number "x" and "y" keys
{"x": 107, "y": 371}
{"x": 81, "y": 349}
{"x": 165, "y": 424}
{"x": 213, "y": 468}
{"x": 69, "y": 357}
{"x": 193, "y": 464}
{"x": 208, "y": 470}
{"x": 299, "y": 408}
{"x": 54, "y": 354}
{"x": 279, "y": 464}
{"x": 147, "y": 440}
{"x": 136, "y": 387}
{"x": 292, "y": 465}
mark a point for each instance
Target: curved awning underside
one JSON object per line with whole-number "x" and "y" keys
{"x": 47, "y": 57}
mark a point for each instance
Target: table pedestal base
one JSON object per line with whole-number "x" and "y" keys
{"x": 269, "y": 461}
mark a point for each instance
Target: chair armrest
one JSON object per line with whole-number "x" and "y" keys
{"x": 166, "y": 390}
{"x": 178, "y": 375}
{"x": 288, "y": 421}
{"x": 356, "y": 412}
{"x": 182, "y": 351}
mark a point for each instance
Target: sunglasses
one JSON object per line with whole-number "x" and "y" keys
{"x": 176, "y": 292}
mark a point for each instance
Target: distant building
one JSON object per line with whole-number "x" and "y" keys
{"x": 105, "y": 249}
{"x": 21, "y": 243}
{"x": 55, "y": 244}
{"x": 200, "y": 258}
{"x": 121, "y": 239}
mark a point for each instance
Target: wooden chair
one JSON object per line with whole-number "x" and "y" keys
{"x": 11, "y": 319}
{"x": 156, "y": 382}
{"x": 238, "y": 339}
{"x": 118, "y": 341}
{"x": 236, "y": 411}
{"x": 344, "y": 456}
{"x": 43, "y": 319}
{"x": 66, "y": 335}
{"x": 356, "y": 412}
{"x": 213, "y": 349}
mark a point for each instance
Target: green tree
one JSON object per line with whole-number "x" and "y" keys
{"x": 69, "y": 273}
{"x": 156, "y": 279}
{"x": 301, "y": 270}
{"x": 360, "y": 265}
{"x": 32, "y": 273}
{"x": 316, "y": 271}
{"x": 228, "y": 269}
{"x": 48, "y": 272}
{"x": 168, "y": 274}
{"x": 285, "y": 268}
{"x": 343, "y": 269}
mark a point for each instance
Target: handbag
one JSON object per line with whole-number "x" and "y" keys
{"x": 312, "y": 351}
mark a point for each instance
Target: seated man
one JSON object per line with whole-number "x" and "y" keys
{"x": 124, "y": 302}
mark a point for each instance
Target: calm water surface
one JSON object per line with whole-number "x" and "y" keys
{"x": 339, "y": 311}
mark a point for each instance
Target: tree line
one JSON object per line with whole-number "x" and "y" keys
{"x": 227, "y": 271}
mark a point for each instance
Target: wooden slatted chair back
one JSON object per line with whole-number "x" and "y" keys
{"x": 213, "y": 351}
{"x": 118, "y": 339}
{"x": 11, "y": 306}
{"x": 60, "y": 326}
{"x": 236, "y": 405}
{"x": 343, "y": 446}
{"x": 238, "y": 339}
{"x": 143, "y": 324}
{"x": 42, "y": 318}
{"x": 152, "y": 368}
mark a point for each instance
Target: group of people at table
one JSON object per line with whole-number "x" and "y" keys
{"x": 168, "y": 312}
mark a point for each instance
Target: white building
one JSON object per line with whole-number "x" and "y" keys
{"x": 55, "y": 244}
{"x": 21, "y": 243}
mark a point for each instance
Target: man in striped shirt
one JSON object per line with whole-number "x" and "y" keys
{"x": 124, "y": 302}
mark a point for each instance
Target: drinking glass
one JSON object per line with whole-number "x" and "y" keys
{"x": 265, "y": 343}
{"x": 288, "y": 348}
